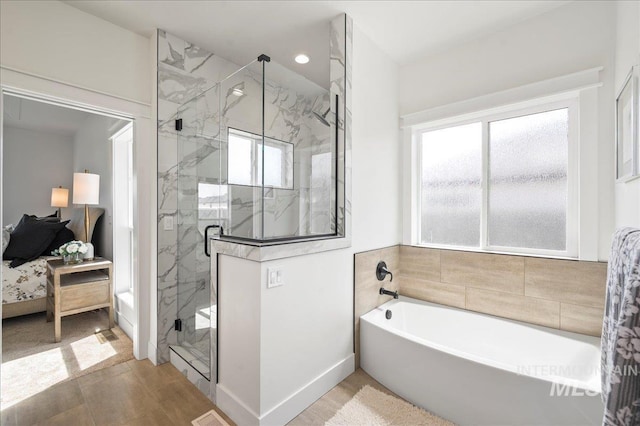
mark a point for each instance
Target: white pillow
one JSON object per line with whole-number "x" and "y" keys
{"x": 6, "y": 236}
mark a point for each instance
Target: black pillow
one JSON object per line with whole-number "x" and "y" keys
{"x": 48, "y": 219}
{"x": 42, "y": 219}
{"x": 51, "y": 218}
{"x": 62, "y": 237}
{"x": 30, "y": 238}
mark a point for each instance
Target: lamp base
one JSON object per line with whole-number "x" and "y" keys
{"x": 89, "y": 255}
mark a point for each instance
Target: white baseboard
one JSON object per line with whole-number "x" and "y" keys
{"x": 124, "y": 324}
{"x": 234, "y": 408}
{"x": 284, "y": 412}
{"x": 289, "y": 408}
{"x": 152, "y": 353}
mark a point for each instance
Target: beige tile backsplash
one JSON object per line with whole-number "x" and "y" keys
{"x": 483, "y": 270}
{"x": 514, "y": 306}
{"x": 581, "y": 319}
{"x": 367, "y": 285}
{"x": 433, "y": 291}
{"x": 580, "y": 283}
{"x": 562, "y": 294}
{"x": 420, "y": 263}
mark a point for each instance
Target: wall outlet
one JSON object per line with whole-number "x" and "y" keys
{"x": 168, "y": 223}
{"x": 275, "y": 277}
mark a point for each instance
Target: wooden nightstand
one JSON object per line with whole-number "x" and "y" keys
{"x": 72, "y": 289}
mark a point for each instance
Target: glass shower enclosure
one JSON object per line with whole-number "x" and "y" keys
{"x": 257, "y": 163}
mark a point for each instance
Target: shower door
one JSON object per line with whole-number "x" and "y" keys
{"x": 202, "y": 201}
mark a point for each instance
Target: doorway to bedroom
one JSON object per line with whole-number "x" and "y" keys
{"x": 67, "y": 185}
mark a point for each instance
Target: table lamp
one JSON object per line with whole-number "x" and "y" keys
{"x": 59, "y": 199}
{"x": 86, "y": 190}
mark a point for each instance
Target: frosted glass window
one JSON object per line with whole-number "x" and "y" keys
{"x": 245, "y": 161}
{"x": 528, "y": 157}
{"x": 213, "y": 201}
{"x": 240, "y": 160}
{"x": 273, "y": 175}
{"x": 451, "y": 193}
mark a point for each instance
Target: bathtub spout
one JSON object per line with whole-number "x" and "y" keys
{"x": 389, "y": 293}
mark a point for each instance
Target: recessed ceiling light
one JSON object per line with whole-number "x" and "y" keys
{"x": 302, "y": 58}
{"x": 237, "y": 92}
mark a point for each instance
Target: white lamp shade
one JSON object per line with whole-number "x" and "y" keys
{"x": 59, "y": 197}
{"x": 86, "y": 188}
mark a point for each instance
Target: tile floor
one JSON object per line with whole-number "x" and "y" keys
{"x": 131, "y": 393}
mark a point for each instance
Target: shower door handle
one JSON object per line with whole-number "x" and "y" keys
{"x": 206, "y": 240}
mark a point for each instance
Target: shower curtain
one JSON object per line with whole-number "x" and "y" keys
{"x": 621, "y": 332}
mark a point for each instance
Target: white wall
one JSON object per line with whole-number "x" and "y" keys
{"x": 239, "y": 310}
{"x": 93, "y": 151}
{"x": 54, "y": 50}
{"x": 574, "y": 37}
{"x": 33, "y": 163}
{"x": 306, "y": 323}
{"x": 52, "y": 39}
{"x": 627, "y": 195}
{"x": 306, "y": 326}
{"x": 376, "y": 160}
{"x": 571, "y": 38}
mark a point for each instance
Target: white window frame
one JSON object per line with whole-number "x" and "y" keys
{"x": 124, "y": 136}
{"x": 257, "y": 141}
{"x": 582, "y": 87}
{"x": 485, "y": 117}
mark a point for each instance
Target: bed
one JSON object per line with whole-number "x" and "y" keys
{"x": 24, "y": 287}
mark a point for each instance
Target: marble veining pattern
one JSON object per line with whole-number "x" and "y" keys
{"x": 287, "y": 117}
{"x": 340, "y": 72}
{"x": 185, "y": 72}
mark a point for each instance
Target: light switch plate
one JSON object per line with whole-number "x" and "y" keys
{"x": 275, "y": 277}
{"x": 168, "y": 223}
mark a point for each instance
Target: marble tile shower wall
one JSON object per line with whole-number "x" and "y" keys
{"x": 184, "y": 71}
{"x": 189, "y": 73}
{"x": 341, "y": 45}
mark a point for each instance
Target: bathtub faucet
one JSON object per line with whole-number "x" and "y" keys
{"x": 382, "y": 271}
{"x": 389, "y": 293}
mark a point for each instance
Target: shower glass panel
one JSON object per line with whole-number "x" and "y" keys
{"x": 257, "y": 162}
{"x": 281, "y": 156}
{"x": 240, "y": 129}
{"x": 201, "y": 202}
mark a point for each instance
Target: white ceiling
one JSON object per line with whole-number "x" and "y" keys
{"x": 41, "y": 117}
{"x": 241, "y": 30}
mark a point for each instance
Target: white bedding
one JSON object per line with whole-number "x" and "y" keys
{"x": 26, "y": 282}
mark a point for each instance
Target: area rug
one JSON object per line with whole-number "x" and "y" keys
{"x": 374, "y": 408}
{"x": 32, "y": 361}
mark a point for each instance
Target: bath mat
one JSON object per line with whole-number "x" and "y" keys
{"x": 374, "y": 408}
{"x": 210, "y": 418}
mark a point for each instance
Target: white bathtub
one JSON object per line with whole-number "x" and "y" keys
{"x": 475, "y": 369}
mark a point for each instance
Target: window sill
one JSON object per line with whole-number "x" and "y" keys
{"x": 500, "y": 252}
{"x": 126, "y": 298}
